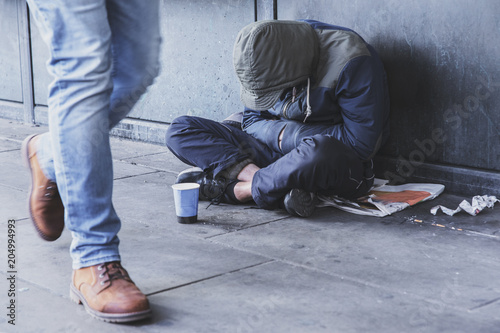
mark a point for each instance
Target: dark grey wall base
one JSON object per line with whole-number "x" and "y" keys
{"x": 11, "y": 110}
{"x": 141, "y": 130}
{"x": 459, "y": 180}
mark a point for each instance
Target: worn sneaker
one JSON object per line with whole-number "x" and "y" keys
{"x": 107, "y": 293}
{"x": 45, "y": 205}
{"x": 300, "y": 203}
{"x": 211, "y": 189}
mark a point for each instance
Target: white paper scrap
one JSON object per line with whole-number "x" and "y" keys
{"x": 478, "y": 204}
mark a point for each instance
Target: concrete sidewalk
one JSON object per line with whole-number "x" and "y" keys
{"x": 242, "y": 269}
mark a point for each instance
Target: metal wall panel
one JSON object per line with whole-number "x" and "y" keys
{"x": 10, "y": 65}
{"x": 265, "y": 9}
{"x": 442, "y": 59}
{"x": 40, "y": 55}
{"x": 197, "y": 75}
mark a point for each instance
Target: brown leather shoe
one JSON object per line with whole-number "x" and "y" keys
{"x": 45, "y": 205}
{"x": 108, "y": 293}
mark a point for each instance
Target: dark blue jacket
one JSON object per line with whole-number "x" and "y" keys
{"x": 348, "y": 97}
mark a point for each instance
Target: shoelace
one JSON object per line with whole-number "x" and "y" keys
{"x": 51, "y": 190}
{"x": 114, "y": 271}
{"x": 211, "y": 187}
{"x": 217, "y": 200}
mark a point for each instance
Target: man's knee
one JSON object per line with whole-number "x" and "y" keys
{"x": 183, "y": 121}
{"x": 323, "y": 150}
{"x": 178, "y": 126}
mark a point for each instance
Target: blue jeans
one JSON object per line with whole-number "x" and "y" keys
{"x": 103, "y": 56}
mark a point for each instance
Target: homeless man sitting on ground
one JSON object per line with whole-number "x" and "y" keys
{"x": 316, "y": 112}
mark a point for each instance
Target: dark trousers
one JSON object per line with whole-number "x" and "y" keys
{"x": 320, "y": 163}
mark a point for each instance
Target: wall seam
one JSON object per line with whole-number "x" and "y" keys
{"x": 26, "y": 66}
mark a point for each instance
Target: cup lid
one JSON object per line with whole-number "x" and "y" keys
{"x": 185, "y": 186}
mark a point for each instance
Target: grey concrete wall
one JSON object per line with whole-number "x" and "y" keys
{"x": 197, "y": 75}
{"x": 10, "y": 67}
{"x": 40, "y": 55}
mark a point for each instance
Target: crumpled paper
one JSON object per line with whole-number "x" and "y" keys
{"x": 478, "y": 204}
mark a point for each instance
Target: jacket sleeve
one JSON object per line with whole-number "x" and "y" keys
{"x": 263, "y": 126}
{"x": 363, "y": 98}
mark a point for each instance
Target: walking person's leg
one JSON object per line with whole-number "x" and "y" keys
{"x": 75, "y": 154}
{"x": 135, "y": 30}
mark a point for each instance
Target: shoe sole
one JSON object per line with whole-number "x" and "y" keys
{"x": 299, "y": 209}
{"x": 26, "y": 159}
{"x": 78, "y": 298}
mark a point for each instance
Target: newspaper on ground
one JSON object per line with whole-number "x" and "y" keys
{"x": 479, "y": 202}
{"x": 383, "y": 199}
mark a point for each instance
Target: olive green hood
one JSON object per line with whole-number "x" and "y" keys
{"x": 272, "y": 56}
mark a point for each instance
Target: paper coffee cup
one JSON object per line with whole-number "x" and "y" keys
{"x": 186, "y": 197}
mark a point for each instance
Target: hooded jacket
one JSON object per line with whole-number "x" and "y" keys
{"x": 347, "y": 98}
